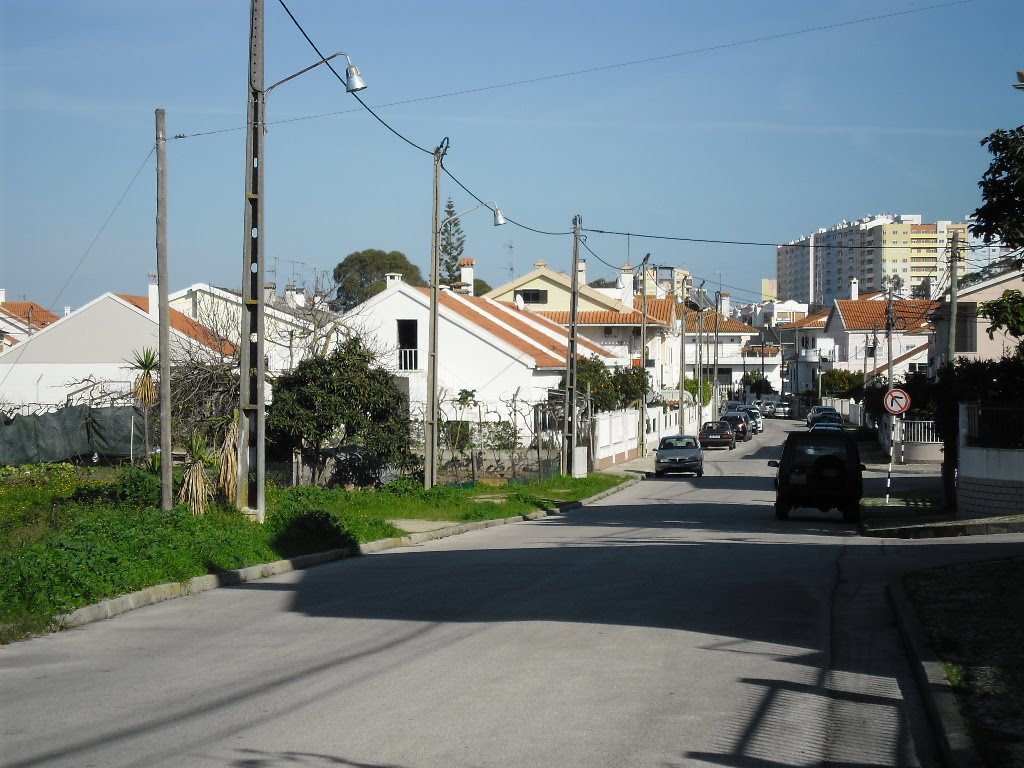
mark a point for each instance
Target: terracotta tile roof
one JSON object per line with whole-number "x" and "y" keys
{"x": 594, "y": 317}
{"x": 186, "y": 325}
{"x": 725, "y": 324}
{"x": 911, "y": 314}
{"x": 661, "y": 310}
{"x": 518, "y": 328}
{"x": 817, "y": 320}
{"x": 20, "y": 310}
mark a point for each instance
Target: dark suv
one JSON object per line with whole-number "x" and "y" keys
{"x": 821, "y": 470}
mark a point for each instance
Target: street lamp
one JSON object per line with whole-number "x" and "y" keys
{"x": 430, "y": 425}
{"x": 250, "y": 495}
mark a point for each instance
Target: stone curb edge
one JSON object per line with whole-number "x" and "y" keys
{"x": 115, "y": 606}
{"x": 925, "y": 531}
{"x": 955, "y": 744}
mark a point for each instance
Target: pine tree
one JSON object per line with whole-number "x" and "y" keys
{"x": 453, "y": 243}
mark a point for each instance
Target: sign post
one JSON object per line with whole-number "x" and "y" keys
{"x": 897, "y": 402}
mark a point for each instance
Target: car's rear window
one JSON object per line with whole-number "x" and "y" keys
{"x": 807, "y": 450}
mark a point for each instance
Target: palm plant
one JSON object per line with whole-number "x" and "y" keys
{"x": 196, "y": 486}
{"x": 145, "y": 390}
{"x": 227, "y": 477}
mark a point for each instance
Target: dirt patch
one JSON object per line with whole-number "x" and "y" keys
{"x": 973, "y": 616}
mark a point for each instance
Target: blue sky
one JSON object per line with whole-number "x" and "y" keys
{"x": 731, "y": 140}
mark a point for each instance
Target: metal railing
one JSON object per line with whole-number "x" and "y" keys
{"x": 920, "y": 432}
{"x": 408, "y": 360}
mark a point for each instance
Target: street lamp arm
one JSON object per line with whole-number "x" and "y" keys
{"x": 499, "y": 217}
{"x": 355, "y": 80}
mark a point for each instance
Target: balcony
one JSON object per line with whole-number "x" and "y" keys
{"x": 817, "y": 356}
{"x": 408, "y": 360}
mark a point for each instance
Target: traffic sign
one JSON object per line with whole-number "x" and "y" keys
{"x": 897, "y": 401}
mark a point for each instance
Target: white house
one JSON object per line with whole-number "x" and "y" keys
{"x": 85, "y": 357}
{"x": 296, "y": 325}
{"x": 497, "y": 350}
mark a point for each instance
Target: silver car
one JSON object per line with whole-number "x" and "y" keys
{"x": 679, "y": 453}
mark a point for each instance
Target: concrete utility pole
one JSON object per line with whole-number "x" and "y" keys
{"x": 569, "y": 428}
{"x": 166, "y": 459}
{"x": 430, "y": 425}
{"x": 643, "y": 322}
{"x": 890, "y": 324}
{"x": 718, "y": 315}
{"x": 954, "y": 257}
{"x": 682, "y": 364}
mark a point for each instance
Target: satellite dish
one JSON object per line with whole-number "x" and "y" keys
{"x": 520, "y": 304}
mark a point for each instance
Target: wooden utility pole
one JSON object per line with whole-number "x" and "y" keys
{"x": 166, "y": 459}
{"x": 954, "y": 257}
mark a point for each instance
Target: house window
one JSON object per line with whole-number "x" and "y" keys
{"x": 532, "y": 295}
{"x": 408, "y": 346}
{"x": 967, "y": 333}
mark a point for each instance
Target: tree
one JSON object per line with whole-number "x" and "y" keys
{"x": 593, "y": 376}
{"x": 480, "y": 287}
{"x": 452, "y": 246}
{"x": 690, "y": 385}
{"x": 337, "y": 400}
{"x": 361, "y": 275}
{"x": 838, "y": 380}
{"x": 1006, "y": 313}
{"x": 145, "y": 390}
{"x": 757, "y": 384}
{"x": 631, "y": 385}
{"x": 602, "y": 283}
{"x": 1001, "y": 215}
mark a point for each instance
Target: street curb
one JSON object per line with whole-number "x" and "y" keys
{"x": 939, "y": 531}
{"x": 115, "y": 606}
{"x": 955, "y": 744}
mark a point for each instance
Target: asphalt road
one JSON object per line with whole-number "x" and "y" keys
{"x": 673, "y": 623}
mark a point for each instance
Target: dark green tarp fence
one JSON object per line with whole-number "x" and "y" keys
{"x": 111, "y": 432}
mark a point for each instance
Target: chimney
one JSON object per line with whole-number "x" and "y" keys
{"x": 626, "y": 285}
{"x": 67, "y": 311}
{"x": 289, "y": 296}
{"x": 466, "y": 275}
{"x": 269, "y": 292}
{"x": 726, "y": 304}
{"x": 582, "y": 271}
{"x": 3, "y": 295}
{"x": 392, "y": 278}
{"x": 854, "y": 289}
{"x": 154, "y": 297}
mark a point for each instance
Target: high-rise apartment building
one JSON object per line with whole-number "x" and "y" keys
{"x": 817, "y": 268}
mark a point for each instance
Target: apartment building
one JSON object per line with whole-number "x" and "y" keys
{"x": 817, "y": 268}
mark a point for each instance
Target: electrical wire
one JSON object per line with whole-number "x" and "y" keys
{"x": 88, "y": 250}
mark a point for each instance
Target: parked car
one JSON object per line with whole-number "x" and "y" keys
{"x": 679, "y": 453}
{"x": 740, "y": 424}
{"x": 717, "y": 434}
{"x": 782, "y": 409}
{"x": 816, "y": 411}
{"x": 820, "y": 470}
{"x": 827, "y": 419}
{"x": 827, "y": 426}
{"x": 729, "y": 405}
{"x": 764, "y": 407}
{"x": 755, "y": 418}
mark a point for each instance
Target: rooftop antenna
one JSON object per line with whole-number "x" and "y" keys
{"x": 511, "y": 260}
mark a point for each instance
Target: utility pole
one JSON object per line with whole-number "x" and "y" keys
{"x": 430, "y": 424}
{"x": 569, "y": 430}
{"x": 682, "y": 363}
{"x": 166, "y": 459}
{"x": 954, "y": 257}
{"x": 252, "y": 409}
{"x": 890, "y": 324}
{"x": 643, "y": 323}
{"x": 718, "y": 315}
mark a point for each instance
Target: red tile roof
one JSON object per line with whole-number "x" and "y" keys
{"x": 29, "y": 311}
{"x": 186, "y": 325}
{"x": 662, "y": 310}
{"x": 594, "y": 317}
{"x": 817, "y": 320}
{"x": 518, "y": 328}
{"x": 911, "y": 314}
{"x": 706, "y": 322}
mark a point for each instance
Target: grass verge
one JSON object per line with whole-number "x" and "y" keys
{"x": 70, "y": 538}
